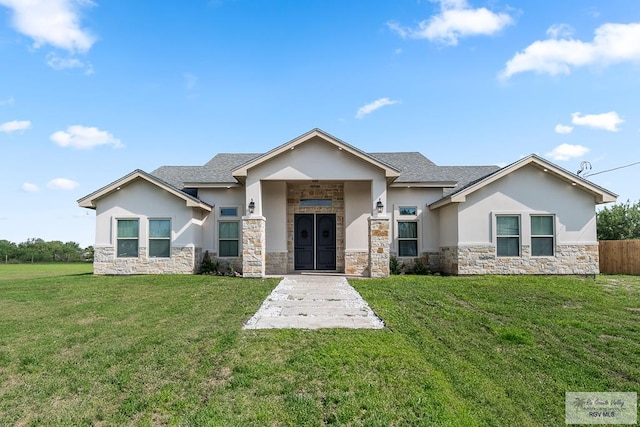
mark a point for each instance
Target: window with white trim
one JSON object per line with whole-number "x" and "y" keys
{"x": 127, "y": 238}
{"x": 542, "y": 235}
{"x": 160, "y": 238}
{"x": 508, "y": 235}
{"x": 228, "y": 232}
{"x": 407, "y": 231}
{"x": 407, "y": 238}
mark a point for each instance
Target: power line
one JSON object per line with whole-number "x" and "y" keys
{"x": 609, "y": 170}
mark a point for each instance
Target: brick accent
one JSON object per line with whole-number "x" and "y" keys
{"x": 356, "y": 263}
{"x": 379, "y": 246}
{"x": 333, "y": 191}
{"x": 276, "y": 263}
{"x": 482, "y": 259}
{"x": 253, "y": 246}
{"x": 182, "y": 261}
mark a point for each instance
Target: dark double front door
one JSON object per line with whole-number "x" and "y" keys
{"x": 314, "y": 241}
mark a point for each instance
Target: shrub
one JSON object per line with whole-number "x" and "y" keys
{"x": 419, "y": 267}
{"x": 395, "y": 265}
{"x": 208, "y": 266}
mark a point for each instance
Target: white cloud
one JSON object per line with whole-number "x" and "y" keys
{"x": 560, "y": 31}
{"x": 455, "y": 20}
{"x": 605, "y": 121}
{"x": 7, "y": 101}
{"x": 373, "y": 106}
{"x": 612, "y": 43}
{"x": 563, "y": 129}
{"x": 52, "y": 22}
{"x": 62, "y": 184}
{"x": 83, "y": 137}
{"x": 567, "y": 152}
{"x": 29, "y": 187}
{"x": 58, "y": 63}
{"x": 15, "y": 125}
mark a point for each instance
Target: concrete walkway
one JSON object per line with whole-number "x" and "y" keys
{"x": 314, "y": 302}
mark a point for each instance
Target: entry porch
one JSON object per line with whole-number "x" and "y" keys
{"x": 327, "y": 226}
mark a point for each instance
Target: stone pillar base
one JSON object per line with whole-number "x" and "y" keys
{"x": 253, "y": 246}
{"x": 379, "y": 246}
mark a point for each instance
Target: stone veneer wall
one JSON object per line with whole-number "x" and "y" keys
{"x": 253, "y": 246}
{"x": 449, "y": 259}
{"x": 431, "y": 260}
{"x": 379, "y": 247}
{"x": 276, "y": 263}
{"x": 333, "y": 191}
{"x": 356, "y": 263}
{"x": 182, "y": 261}
{"x": 569, "y": 259}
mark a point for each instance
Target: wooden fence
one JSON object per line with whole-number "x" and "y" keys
{"x": 619, "y": 256}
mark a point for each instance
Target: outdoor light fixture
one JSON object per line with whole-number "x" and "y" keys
{"x": 379, "y": 206}
{"x": 252, "y": 206}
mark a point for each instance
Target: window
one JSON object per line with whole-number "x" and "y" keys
{"x": 228, "y": 237}
{"x": 127, "y": 236}
{"x": 407, "y": 238}
{"x": 229, "y": 211}
{"x": 542, "y": 236}
{"x": 508, "y": 235}
{"x": 160, "y": 238}
{"x": 315, "y": 202}
{"x": 408, "y": 210}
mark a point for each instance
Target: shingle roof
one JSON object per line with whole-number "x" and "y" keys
{"x": 465, "y": 175}
{"x": 414, "y": 167}
{"x": 217, "y": 170}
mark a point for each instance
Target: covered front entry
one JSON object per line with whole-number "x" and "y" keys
{"x": 314, "y": 241}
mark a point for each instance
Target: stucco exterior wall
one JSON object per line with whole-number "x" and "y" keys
{"x": 428, "y": 221}
{"x": 275, "y": 212}
{"x": 525, "y": 192}
{"x": 529, "y": 190}
{"x": 143, "y": 201}
{"x": 448, "y": 225}
{"x": 357, "y": 209}
{"x": 219, "y": 198}
{"x": 319, "y": 160}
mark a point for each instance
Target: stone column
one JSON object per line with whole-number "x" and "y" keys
{"x": 253, "y": 246}
{"x": 379, "y": 246}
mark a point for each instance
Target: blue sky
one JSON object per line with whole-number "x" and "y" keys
{"x": 91, "y": 90}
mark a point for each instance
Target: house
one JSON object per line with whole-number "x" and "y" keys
{"x": 317, "y": 203}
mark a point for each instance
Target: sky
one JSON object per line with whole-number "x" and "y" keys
{"x": 91, "y": 90}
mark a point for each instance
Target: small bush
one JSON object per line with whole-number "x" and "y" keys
{"x": 419, "y": 267}
{"x": 395, "y": 265}
{"x": 208, "y": 266}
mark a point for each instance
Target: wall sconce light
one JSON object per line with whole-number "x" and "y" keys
{"x": 252, "y": 206}
{"x": 379, "y": 206}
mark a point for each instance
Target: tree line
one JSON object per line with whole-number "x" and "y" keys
{"x": 37, "y": 250}
{"x": 619, "y": 222}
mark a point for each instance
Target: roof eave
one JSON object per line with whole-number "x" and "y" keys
{"x": 600, "y": 194}
{"x": 241, "y": 172}
{"x": 424, "y": 184}
{"x": 89, "y": 201}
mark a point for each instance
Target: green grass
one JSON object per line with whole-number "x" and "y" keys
{"x": 169, "y": 350}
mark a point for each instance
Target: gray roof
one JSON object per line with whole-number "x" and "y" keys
{"x": 217, "y": 170}
{"x": 413, "y": 166}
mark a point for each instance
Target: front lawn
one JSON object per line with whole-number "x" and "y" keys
{"x": 169, "y": 350}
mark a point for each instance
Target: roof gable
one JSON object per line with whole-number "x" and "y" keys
{"x": 240, "y": 173}
{"x": 89, "y": 201}
{"x": 600, "y": 194}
